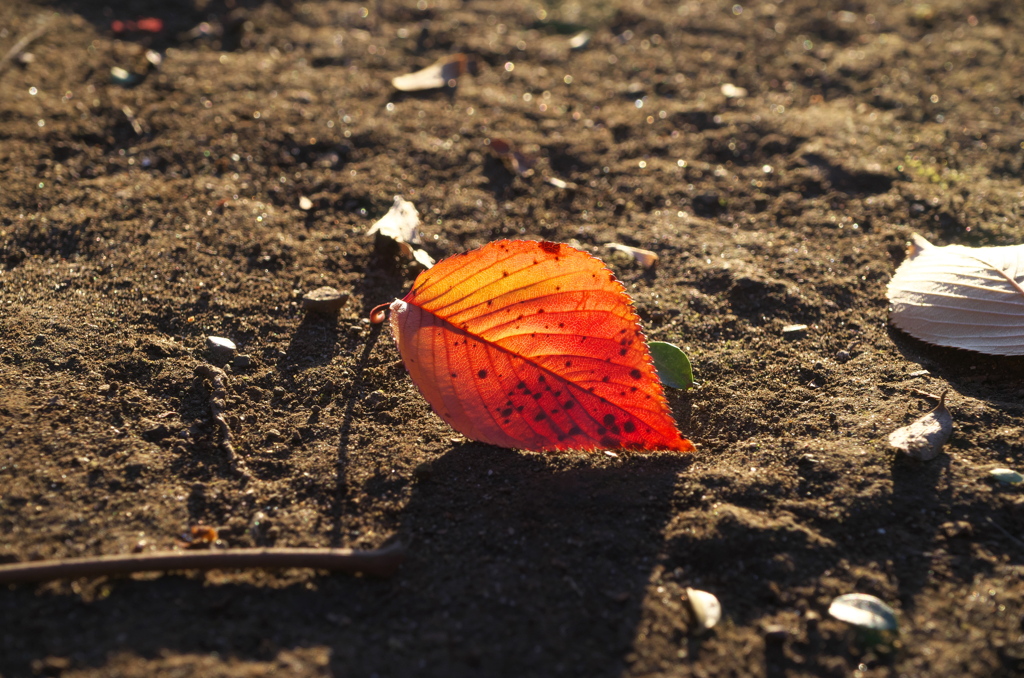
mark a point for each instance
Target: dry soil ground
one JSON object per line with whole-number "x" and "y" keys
{"x": 137, "y": 220}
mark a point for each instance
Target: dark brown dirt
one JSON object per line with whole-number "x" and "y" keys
{"x": 136, "y": 221}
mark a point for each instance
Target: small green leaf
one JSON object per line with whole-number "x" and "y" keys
{"x": 672, "y": 365}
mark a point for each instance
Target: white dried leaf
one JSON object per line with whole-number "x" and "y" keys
{"x": 422, "y": 258}
{"x": 645, "y": 258}
{"x": 924, "y": 438}
{"x": 963, "y": 297}
{"x": 401, "y": 223}
{"x": 442, "y": 73}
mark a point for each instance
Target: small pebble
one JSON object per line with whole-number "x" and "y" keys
{"x": 241, "y": 361}
{"x": 794, "y": 331}
{"x": 305, "y": 203}
{"x": 842, "y": 356}
{"x": 273, "y": 434}
{"x": 324, "y": 300}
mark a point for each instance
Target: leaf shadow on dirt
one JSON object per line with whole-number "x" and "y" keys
{"x": 995, "y": 379}
{"x": 558, "y": 549}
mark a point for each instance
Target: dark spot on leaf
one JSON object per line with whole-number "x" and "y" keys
{"x": 541, "y": 379}
{"x": 536, "y": 396}
{"x": 568, "y": 363}
{"x": 568, "y": 404}
{"x": 608, "y": 442}
{"x": 550, "y": 247}
{"x": 454, "y": 375}
{"x": 608, "y": 419}
{"x": 507, "y": 412}
{"x": 601, "y": 430}
{"x": 540, "y": 417}
{"x": 519, "y": 409}
{"x": 606, "y": 378}
{"x": 628, "y": 427}
{"x": 482, "y": 374}
{"x": 575, "y": 431}
{"x": 635, "y": 373}
{"x": 624, "y": 351}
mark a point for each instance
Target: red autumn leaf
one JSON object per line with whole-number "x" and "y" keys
{"x": 535, "y": 346}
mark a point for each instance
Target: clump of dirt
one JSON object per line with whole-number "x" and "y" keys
{"x": 206, "y": 195}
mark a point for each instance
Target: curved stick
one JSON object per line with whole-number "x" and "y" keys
{"x": 382, "y": 562}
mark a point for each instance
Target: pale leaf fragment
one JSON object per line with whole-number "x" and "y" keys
{"x": 444, "y": 72}
{"x": 646, "y": 258}
{"x": 964, "y": 297}
{"x": 402, "y": 224}
{"x": 924, "y": 438}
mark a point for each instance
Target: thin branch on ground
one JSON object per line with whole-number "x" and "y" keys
{"x": 382, "y": 562}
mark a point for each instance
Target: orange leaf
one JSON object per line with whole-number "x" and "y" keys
{"x": 533, "y": 345}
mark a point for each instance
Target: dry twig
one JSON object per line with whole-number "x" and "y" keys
{"x": 382, "y": 562}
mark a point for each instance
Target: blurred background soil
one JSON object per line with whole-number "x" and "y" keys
{"x": 776, "y": 156}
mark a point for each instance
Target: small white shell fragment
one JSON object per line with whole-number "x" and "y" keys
{"x": 731, "y": 91}
{"x": 645, "y": 258}
{"x": 305, "y": 203}
{"x": 1006, "y": 476}
{"x": 707, "y": 611}
{"x": 220, "y": 343}
{"x": 793, "y": 330}
{"x": 580, "y": 40}
{"x": 923, "y": 439}
{"x": 866, "y": 611}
